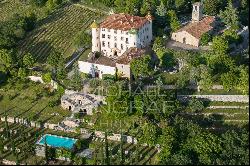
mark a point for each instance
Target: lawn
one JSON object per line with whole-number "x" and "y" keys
{"x": 57, "y": 31}
{"x": 30, "y": 101}
{"x": 84, "y": 55}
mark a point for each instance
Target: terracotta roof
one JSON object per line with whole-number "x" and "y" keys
{"x": 196, "y": 29}
{"x": 123, "y": 22}
{"x": 130, "y": 54}
{"x": 102, "y": 60}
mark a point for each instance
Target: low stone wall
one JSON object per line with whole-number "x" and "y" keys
{"x": 223, "y": 98}
{"x": 36, "y": 79}
{"x": 7, "y": 162}
{"x": 116, "y": 137}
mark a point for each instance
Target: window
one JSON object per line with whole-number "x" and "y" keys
{"x": 115, "y": 31}
{"x": 121, "y": 46}
{"x": 126, "y": 33}
{"x": 147, "y": 37}
{"x": 103, "y": 29}
{"x": 134, "y": 44}
{"x": 115, "y": 38}
{"x": 121, "y": 38}
{"x": 103, "y": 35}
{"x": 127, "y": 40}
{"x": 108, "y": 45}
{"x": 115, "y": 45}
{"x": 108, "y": 36}
{"x": 108, "y": 30}
{"x": 103, "y": 44}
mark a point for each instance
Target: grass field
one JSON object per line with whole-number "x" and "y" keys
{"x": 23, "y": 102}
{"x": 58, "y": 31}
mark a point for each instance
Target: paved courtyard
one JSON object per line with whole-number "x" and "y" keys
{"x": 180, "y": 46}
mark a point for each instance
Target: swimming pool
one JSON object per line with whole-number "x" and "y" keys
{"x": 57, "y": 141}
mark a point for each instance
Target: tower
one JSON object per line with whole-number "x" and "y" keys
{"x": 96, "y": 44}
{"x": 197, "y": 12}
{"x": 150, "y": 18}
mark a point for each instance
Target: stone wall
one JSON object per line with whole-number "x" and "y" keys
{"x": 116, "y": 137}
{"x": 223, "y": 98}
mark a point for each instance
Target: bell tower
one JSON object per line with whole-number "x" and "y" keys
{"x": 197, "y": 12}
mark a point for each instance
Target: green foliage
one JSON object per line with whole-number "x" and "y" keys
{"x": 173, "y": 19}
{"x": 54, "y": 58}
{"x": 231, "y": 35}
{"x": 37, "y": 3}
{"x": 141, "y": 67}
{"x": 6, "y": 60}
{"x": 243, "y": 83}
{"x": 28, "y": 60}
{"x": 229, "y": 80}
{"x": 82, "y": 40}
{"x": 239, "y": 142}
{"x": 149, "y": 134}
{"x": 220, "y": 45}
{"x": 22, "y": 73}
{"x": 47, "y": 77}
{"x": 183, "y": 78}
{"x": 205, "y": 80}
{"x": 230, "y": 16}
{"x": 196, "y": 105}
{"x": 52, "y": 4}
{"x": 212, "y": 7}
{"x": 166, "y": 57}
{"x": 205, "y": 39}
{"x": 159, "y": 43}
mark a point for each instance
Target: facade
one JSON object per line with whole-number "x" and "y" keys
{"x": 115, "y": 38}
{"x": 118, "y": 32}
{"x": 192, "y": 32}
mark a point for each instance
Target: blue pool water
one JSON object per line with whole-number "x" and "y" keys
{"x": 57, "y": 141}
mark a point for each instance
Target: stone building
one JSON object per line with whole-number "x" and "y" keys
{"x": 97, "y": 67}
{"x": 192, "y": 32}
{"x": 114, "y": 38}
{"x": 118, "y": 32}
{"x": 80, "y": 102}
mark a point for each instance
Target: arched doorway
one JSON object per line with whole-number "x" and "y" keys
{"x": 115, "y": 53}
{"x": 184, "y": 40}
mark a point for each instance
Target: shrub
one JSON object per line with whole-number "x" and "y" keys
{"x": 195, "y": 105}
{"x": 108, "y": 77}
{"x": 205, "y": 39}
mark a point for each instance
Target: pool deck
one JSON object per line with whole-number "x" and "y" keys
{"x": 56, "y": 136}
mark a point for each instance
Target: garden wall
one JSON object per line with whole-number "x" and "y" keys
{"x": 223, "y": 98}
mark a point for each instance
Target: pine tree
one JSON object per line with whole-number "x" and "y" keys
{"x": 121, "y": 149}
{"x": 107, "y": 149}
{"x": 46, "y": 150}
